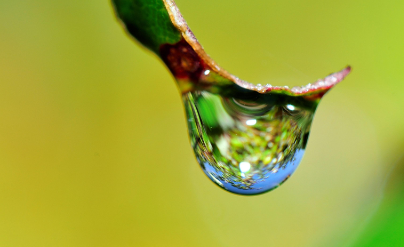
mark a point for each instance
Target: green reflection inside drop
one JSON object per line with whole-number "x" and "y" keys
{"x": 247, "y": 142}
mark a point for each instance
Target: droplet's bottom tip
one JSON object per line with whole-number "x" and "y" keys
{"x": 268, "y": 180}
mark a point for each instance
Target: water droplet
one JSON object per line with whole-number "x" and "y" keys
{"x": 248, "y": 142}
{"x": 296, "y": 89}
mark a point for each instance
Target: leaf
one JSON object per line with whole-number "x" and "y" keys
{"x": 147, "y": 21}
{"x": 159, "y": 26}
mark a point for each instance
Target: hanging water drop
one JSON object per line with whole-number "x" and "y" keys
{"x": 248, "y": 143}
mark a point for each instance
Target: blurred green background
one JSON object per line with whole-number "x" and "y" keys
{"x": 93, "y": 143}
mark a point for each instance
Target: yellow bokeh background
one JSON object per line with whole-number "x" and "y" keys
{"x": 93, "y": 143}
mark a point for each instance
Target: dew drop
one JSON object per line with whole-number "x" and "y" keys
{"x": 249, "y": 142}
{"x": 296, "y": 89}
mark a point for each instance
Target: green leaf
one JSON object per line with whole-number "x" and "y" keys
{"x": 148, "y": 21}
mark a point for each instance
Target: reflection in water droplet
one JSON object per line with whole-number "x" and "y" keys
{"x": 244, "y": 167}
{"x": 290, "y": 107}
{"x": 250, "y": 147}
{"x": 251, "y": 122}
